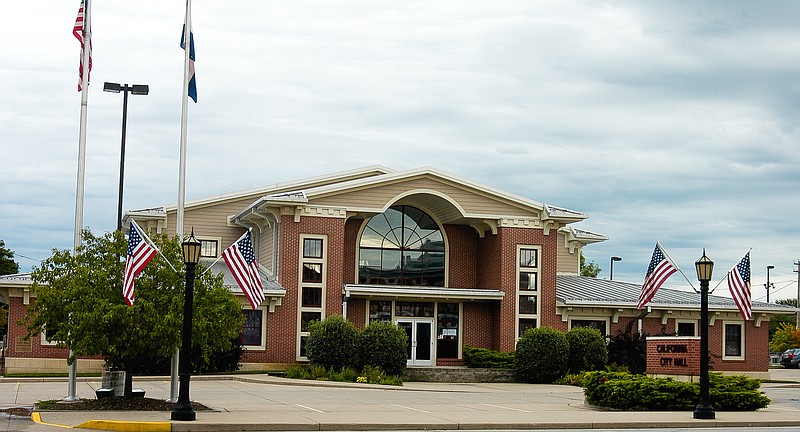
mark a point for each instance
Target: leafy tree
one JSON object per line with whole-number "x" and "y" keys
{"x": 786, "y": 337}
{"x": 591, "y": 269}
{"x": 7, "y": 263}
{"x": 79, "y": 305}
{"x": 777, "y": 321}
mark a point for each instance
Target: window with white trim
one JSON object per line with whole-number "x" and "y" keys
{"x": 733, "y": 341}
{"x": 686, "y": 328}
{"x": 528, "y": 279}
{"x": 598, "y": 324}
{"x": 254, "y": 330}
{"x": 312, "y": 271}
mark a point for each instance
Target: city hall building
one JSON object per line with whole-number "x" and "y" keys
{"x": 451, "y": 261}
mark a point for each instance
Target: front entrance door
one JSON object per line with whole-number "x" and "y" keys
{"x": 420, "y": 340}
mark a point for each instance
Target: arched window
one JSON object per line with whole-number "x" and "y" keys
{"x": 403, "y": 246}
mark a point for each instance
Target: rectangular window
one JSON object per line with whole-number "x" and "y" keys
{"x": 307, "y": 317}
{"x": 413, "y": 309}
{"x": 312, "y": 297}
{"x": 380, "y": 311}
{"x": 686, "y": 328}
{"x": 527, "y": 295}
{"x": 528, "y": 258}
{"x": 209, "y": 248}
{"x": 312, "y": 248}
{"x": 251, "y": 333}
{"x": 527, "y": 304}
{"x": 734, "y": 340}
{"x": 447, "y": 330}
{"x": 312, "y": 272}
{"x": 599, "y": 325}
{"x": 527, "y": 281}
{"x": 525, "y": 324}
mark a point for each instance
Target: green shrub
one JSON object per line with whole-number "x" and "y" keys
{"x": 297, "y": 372}
{"x": 383, "y": 344}
{"x": 332, "y": 343}
{"x": 623, "y": 391}
{"x": 541, "y": 355}
{"x": 587, "y": 350}
{"x": 735, "y": 393}
{"x": 629, "y": 349}
{"x": 487, "y": 358}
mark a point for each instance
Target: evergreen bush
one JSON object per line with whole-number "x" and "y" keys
{"x": 332, "y": 343}
{"x": 628, "y": 349}
{"x": 624, "y": 391}
{"x": 541, "y": 355}
{"x": 383, "y": 344}
{"x": 487, "y": 358}
{"x": 587, "y": 350}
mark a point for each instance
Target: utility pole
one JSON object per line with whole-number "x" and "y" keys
{"x": 797, "y": 305}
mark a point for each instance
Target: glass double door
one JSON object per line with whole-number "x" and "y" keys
{"x": 420, "y": 340}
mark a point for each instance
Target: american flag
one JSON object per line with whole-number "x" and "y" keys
{"x": 241, "y": 260}
{"x": 192, "y": 91}
{"x": 139, "y": 255}
{"x": 660, "y": 269}
{"x": 78, "y": 31}
{"x": 739, "y": 286}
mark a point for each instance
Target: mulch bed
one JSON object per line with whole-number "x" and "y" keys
{"x": 114, "y": 404}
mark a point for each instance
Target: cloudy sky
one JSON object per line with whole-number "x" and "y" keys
{"x": 671, "y": 121}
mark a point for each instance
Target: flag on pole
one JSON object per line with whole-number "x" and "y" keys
{"x": 241, "y": 260}
{"x": 83, "y": 27}
{"x": 192, "y": 90}
{"x": 139, "y": 255}
{"x": 659, "y": 270}
{"x": 739, "y": 286}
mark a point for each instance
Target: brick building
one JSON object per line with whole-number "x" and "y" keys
{"x": 453, "y": 262}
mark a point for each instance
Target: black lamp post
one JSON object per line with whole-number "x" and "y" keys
{"x": 611, "y": 277}
{"x": 137, "y": 89}
{"x": 705, "y": 267}
{"x": 183, "y": 408}
{"x": 770, "y": 267}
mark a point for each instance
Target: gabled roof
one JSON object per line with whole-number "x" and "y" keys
{"x": 290, "y": 187}
{"x": 17, "y": 279}
{"x": 271, "y": 286}
{"x": 588, "y": 291}
{"x": 309, "y": 192}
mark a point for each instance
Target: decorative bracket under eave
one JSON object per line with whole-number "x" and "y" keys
{"x": 273, "y": 302}
{"x": 664, "y": 316}
{"x": 615, "y": 315}
{"x": 565, "y": 314}
{"x": 760, "y": 318}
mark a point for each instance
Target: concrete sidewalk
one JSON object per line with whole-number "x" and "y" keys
{"x": 261, "y": 402}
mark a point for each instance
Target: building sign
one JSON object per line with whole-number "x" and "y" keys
{"x": 673, "y": 355}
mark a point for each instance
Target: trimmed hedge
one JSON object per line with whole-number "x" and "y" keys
{"x": 487, "y": 358}
{"x": 541, "y": 355}
{"x": 587, "y": 350}
{"x": 383, "y": 345}
{"x": 624, "y": 391}
{"x": 332, "y": 343}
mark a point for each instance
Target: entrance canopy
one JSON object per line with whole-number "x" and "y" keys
{"x": 420, "y": 292}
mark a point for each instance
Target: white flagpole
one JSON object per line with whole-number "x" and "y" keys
{"x": 173, "y": 388}
{"x": 78, "y": 235}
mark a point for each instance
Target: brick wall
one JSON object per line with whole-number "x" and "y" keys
{"x": 673, "y": 355}
{"x": 463, "y": 262}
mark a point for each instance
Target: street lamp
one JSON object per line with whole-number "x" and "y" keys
{"x": 611, "y": 277}
{"x": 768, "y": 284}
{"x": 704, "y": 267}
{"x": 137, "y": 89}
{"x": 183, "y": 408}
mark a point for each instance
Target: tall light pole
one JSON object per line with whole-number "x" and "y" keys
{"x": 183, "y": 408}
{"x": 613, "y": 258}
{"x": 137, "y": 89}
{"x": 768, "y": 284}
{"x": 704, "y": 267}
